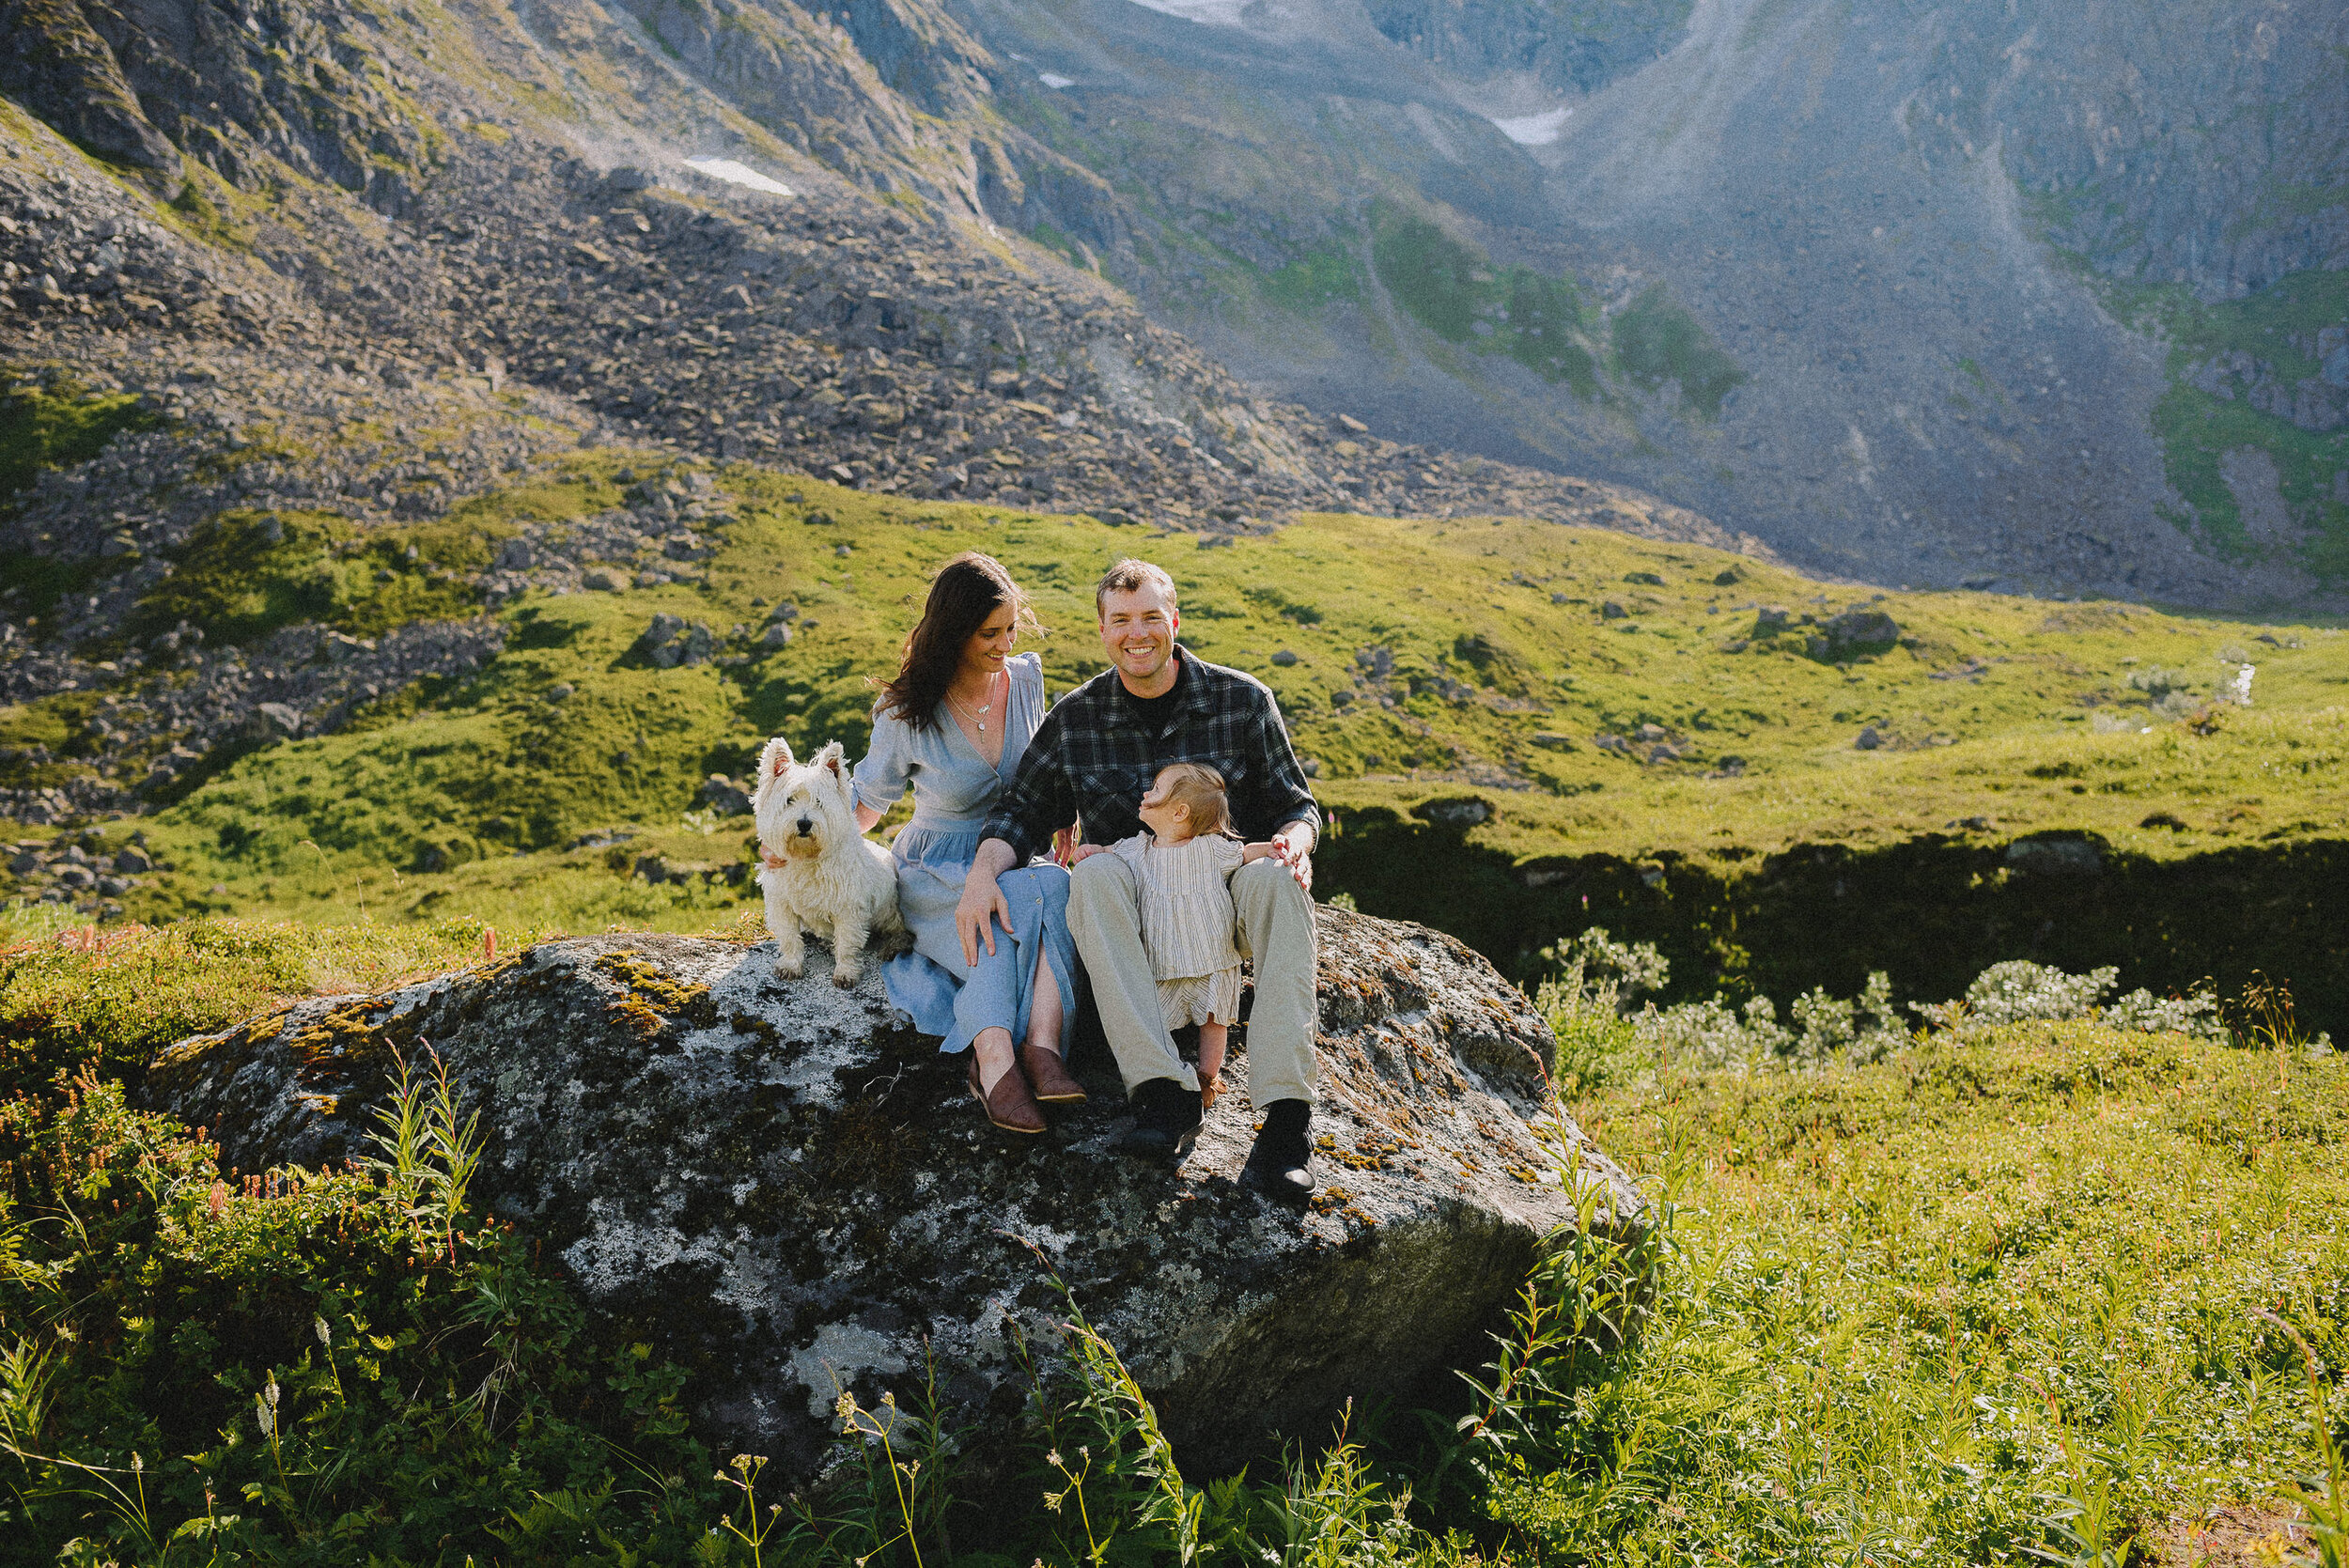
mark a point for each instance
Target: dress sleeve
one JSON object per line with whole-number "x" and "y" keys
{"x": 888, "y": 765}
{"x": 1131, "y": 851}
{"x": 1228, "y": 853}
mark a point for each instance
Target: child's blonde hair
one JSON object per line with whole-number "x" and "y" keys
{"x": 1199, "y": 790}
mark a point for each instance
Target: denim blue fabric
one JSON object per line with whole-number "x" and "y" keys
{"x": 953, "y": 788}
{"x": 955, "y": 1003}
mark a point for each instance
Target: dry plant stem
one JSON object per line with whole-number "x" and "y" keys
{"x": 2328, "y": 1511}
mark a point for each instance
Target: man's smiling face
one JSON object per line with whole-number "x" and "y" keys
{"x": 1137, "y": 628}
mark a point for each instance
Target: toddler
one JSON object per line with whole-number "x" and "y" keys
{"x": 1182, "y": 865}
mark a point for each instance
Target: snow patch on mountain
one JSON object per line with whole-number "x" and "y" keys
{"x": 735, "y": 172}
{"x": 1207, "y": 13}
{"x": 1534, "y": 129}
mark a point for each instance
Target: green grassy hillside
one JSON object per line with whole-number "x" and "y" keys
{"x": 1510, "y": 697}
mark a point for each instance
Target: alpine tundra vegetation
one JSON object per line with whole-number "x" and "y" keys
{"x": 1801, "y": 548}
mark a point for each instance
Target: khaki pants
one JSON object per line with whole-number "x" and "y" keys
{"x": 1276, "y": 928}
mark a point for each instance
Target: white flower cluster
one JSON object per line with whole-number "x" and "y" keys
{"x": 1825, "y": 1028}
{"x": 2020, "y": 989}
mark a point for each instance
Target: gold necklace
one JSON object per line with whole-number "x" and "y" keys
{"x": 980, "y": 717}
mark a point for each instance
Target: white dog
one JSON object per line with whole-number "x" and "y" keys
{"x": 833, "y": 879}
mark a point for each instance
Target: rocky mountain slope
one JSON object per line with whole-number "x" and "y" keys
{"x": 327, "y": 274}
{"x": 1940, "y": 294}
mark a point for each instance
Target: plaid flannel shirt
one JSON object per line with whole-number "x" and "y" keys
{"x": 1091, "y": 759}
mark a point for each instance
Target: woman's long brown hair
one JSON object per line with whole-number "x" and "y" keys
{"x": 966, "y": 591}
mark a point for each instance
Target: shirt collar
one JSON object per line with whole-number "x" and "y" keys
{"x": 1191, "y": 690}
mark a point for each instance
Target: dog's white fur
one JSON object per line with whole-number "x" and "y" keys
{"x": 833, "y": 880}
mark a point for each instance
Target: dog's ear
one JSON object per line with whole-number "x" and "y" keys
{"x": 774, "y": 763}
{"x": 833, "y": 760}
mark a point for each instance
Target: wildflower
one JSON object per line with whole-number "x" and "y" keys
{"x": 1051, "y": 1501}
{"x": 266, "y": 1417}
{"x": 271, "y": 1390}
{"x": 326, "y": 1335}
{"x": 138, "y": 1466}
{"x": 845, "y": 1406}
{"x": 1054, "y": 1459}
{"x": 218, "y": 1201}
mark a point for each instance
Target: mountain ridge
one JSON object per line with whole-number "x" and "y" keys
{"x": 1942, "y": 245}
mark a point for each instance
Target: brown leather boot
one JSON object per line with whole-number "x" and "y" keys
{"x": 1045, "y": 1069}
{"x": 1008, "y": 1104}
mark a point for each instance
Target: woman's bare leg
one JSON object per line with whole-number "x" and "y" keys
{"x": 1044, "y": 1011}
{"x": 994, "y": 1048}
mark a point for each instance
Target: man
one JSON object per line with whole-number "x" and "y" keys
{"x": 1098, "y": 751}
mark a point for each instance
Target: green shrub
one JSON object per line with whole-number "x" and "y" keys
{"x": 299, "y": 1367}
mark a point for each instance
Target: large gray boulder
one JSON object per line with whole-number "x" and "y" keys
{"x": 785, "y": 1186}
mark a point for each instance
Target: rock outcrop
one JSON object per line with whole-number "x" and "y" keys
{"x": 783, "y": 1186}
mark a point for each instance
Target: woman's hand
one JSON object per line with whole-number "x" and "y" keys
{"x": 983, "y": 902}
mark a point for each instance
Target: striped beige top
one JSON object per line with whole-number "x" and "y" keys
{"x": 1186, "y": 913}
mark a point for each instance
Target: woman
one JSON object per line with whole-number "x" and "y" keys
{"x": 954, "y": 724}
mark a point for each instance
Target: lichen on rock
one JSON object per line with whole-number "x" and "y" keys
{"x": 785, "y": 1186}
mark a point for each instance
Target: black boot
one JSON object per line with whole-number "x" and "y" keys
{"x": 1166, "y": 1122}
{"x": 1281, "y": 1165}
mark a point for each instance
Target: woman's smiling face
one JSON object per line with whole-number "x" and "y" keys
{"x": 985, "y": 651}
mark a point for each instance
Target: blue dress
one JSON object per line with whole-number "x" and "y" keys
{"x": 954, "y": 790}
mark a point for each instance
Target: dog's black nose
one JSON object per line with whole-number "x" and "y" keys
{"x": 806, "y": 826}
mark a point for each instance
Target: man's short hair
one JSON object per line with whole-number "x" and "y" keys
{"x": 1127, "y": 576}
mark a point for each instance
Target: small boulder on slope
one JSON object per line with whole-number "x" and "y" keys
{"x": 784, "y": 1187}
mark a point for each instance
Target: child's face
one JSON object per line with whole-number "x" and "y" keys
{"x": 1167, "y": 820}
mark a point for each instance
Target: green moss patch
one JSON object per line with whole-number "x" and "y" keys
{"x": 1548, "y": 323}
{"x": 1657, "y": 341}
{"x": 1313, "y": 279}
{"x": 55, "y": 422}
{"x": 244, "y": 575}
{"x": 2277, "y": 327}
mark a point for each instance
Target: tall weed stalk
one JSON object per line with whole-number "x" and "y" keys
{"x": 2327, "y": 1500}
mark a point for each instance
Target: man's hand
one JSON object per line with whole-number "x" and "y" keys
{"x": 1293, "y": 846}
